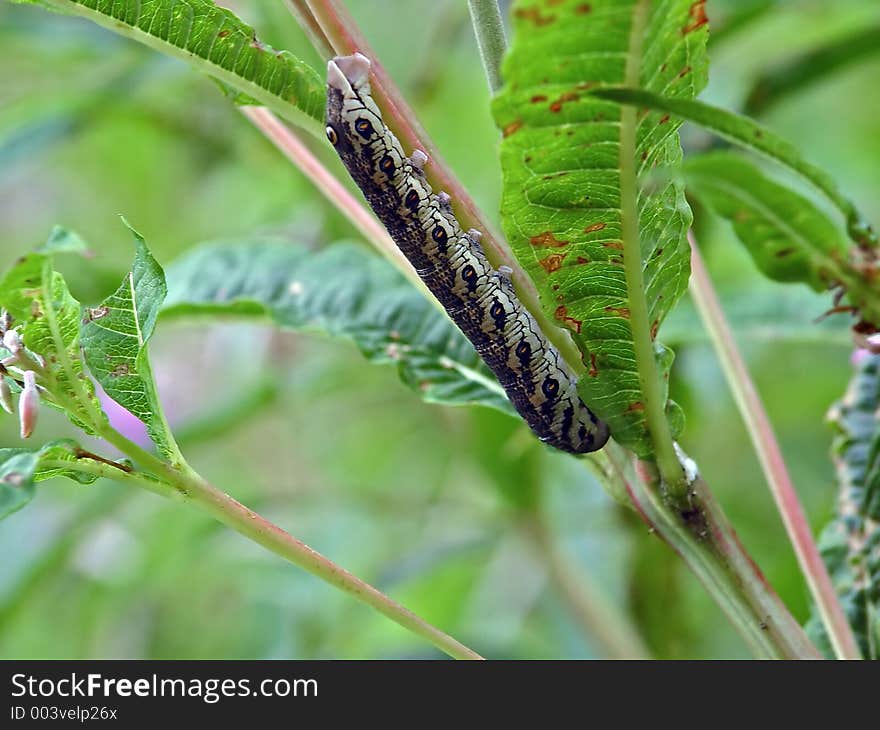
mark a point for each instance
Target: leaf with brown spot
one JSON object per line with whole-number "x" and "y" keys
{"x": 698, "y": 17}
{"x": 547, "y": 240}
{"x": 577, "y": 133}
{"x": 789, "y": 238}
{"x": 114, "y": 344}
{"x": 509, "y": 129}
{"x": 29, "y": 291}
{"x": 553, "y": 262}
{"x": 533, "y": 15}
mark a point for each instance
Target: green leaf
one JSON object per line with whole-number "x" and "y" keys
{"x": 806, "y": 69}
{"x": 48, "y": 321}
{"x": 52, "y": 457}
{"x": 850, "y": 544}
{"x": 114, "y": 339}
{"x": 17, "y": 468}
{"x": 342, "y": 292}
{"x": 752, "y": 136}
{"x": 21, "y": 469}
{"x": 62, "y": 240}
{"x": 789, "y": 238}
{"x": 561, "y": 204}
{"x": 215, "y": 41}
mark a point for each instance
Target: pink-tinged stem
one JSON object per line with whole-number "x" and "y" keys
{"x": 235, "y": 515}
{"x": 333, "y": 31}
{"x": 300, "y": 155}
{"x": 185, "y": 485}
{"x": 706, "y": 542}
{"x": 770, "y": 455}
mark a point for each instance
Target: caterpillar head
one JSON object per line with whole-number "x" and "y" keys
{"x": 351, "y": 116}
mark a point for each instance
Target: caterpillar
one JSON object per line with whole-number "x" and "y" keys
{"x": 480, "y": 300}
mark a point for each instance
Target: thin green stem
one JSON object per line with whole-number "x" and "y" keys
{"x": 231, "y": 513}
{"x": 184, "y": 483}
{"x": 649, "y": 377}
{"x": 770, "y": 455}
{"x": 489, "y": 29}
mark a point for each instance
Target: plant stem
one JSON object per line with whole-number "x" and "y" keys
{"x": 231, "y": 513}
{"x": 333, "y": 31}
{"x": 604, "y": 624}
{"x": 707, "y": 544}
{"x": 300, "y": 155}
{"x": 226, "y": 510}
{"x": 489, "y": 29}
{"x": 770, "y": 455}
{"x": 643, "y": 343}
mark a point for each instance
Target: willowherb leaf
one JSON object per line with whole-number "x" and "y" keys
{"x": 850, "y": 544}
{"x": 560, "y": 155}
{"x": 810, "y": 67}
{"x": 344, "y": 292}
{"x": 21, "y": 469}
{"x": 788, "y": 237}
{"x": 114, "y": 338}
{"x": 754, "y": 137}
{"x": 48, "y": 320}
{"x": 216, "y": 41}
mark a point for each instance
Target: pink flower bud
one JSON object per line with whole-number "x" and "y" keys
{"x": 5, "y": 321}
{"x": 5, "y": 395}
{"x": 28, "y": 404}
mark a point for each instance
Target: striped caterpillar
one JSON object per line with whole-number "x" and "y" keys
{"x": 479, "y": 299}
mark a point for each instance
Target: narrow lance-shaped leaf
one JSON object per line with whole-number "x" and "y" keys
{"x": 47, "y": 318}
{"x": 757, "y": 138}
{"x": 789, "y": 238}
{"x": 561, "y": 155}
{"x": 851, "y": 543}
{"x": 114, "y": 339}
{"x": 342, "y": 292}
{"x": 217, "y": 42}
{"x": 806, "y": 69}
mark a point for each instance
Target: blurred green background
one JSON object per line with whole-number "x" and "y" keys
{"x": 411, "y": 497}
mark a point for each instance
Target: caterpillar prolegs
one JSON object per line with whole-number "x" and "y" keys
{"x": 451, "y": 262}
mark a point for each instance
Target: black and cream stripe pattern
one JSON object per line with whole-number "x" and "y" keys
{"x": 479, "y": 299}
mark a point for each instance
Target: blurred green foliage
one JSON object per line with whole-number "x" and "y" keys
{"x": 418, "y": 499}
